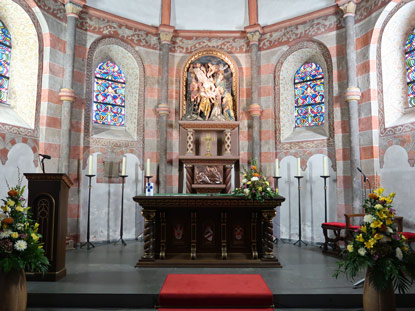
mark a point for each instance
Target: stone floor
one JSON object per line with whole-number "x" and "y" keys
{"x": 103, "y": 276}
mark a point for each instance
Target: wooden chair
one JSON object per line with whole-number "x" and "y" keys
{"x": 336, "y": 228}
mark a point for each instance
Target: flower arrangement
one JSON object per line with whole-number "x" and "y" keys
{"x": 20, "y": 246}
{"x": 254, "y": 185}
{"x": 378, "y": 247}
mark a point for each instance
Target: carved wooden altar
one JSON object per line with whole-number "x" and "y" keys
{"x": 208, "y": 230}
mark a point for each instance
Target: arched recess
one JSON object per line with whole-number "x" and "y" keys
{"x": 396, "y": 119}
{"x": 287, "y": 137}
{"x": 128, "y": 59}
{"x": 21, "y": 116}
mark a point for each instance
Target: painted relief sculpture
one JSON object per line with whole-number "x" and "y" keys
{"x": 208, "y": 93}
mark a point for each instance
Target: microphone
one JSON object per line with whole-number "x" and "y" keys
{"x": 364, "y": 176}
{"x": 46, "y": 156}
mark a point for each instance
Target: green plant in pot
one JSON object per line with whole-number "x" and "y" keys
{"x": 20, "y": 250}
{"x": 383, "y": 252}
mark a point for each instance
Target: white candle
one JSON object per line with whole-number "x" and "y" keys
{"x": 91, "y": 165}
{"x": 148, "y": 168}
{"x": 298, "y": 167}
{"x": 276, "y": 168}
{"x": 325, "y": 166}
{"x": 124, "y": 165}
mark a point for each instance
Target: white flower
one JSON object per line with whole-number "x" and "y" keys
{"x": 378, "y": 206}
{"x": 20, "y": 245}
{"x": 361, "y": 251}
{"x": 2, "y": 216}
{"x": 20, "y": 226}
{"x": 246, "y": 191}
{"x": 244, "y": 181}
{"x": 389, "y": 229}
{"x": 268, "y": 189}
{"x": 399, "y": 254}
{"x": 254, "y": 178}
{"x": 368, "y": 218}
{"x": 5, "y": 234}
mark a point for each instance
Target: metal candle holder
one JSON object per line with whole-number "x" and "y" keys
{"x": 299, "y": 213}
{"x": 325, "y": 196}
{"x": 88, "y": 243}
{"x": 276, "y": 179}
{"x": 122, "y": 212}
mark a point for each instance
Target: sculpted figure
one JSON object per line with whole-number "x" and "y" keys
{"x": 217, "y": 108}
{"x": 227, "y": 105}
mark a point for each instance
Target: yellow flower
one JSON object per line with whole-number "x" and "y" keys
{"x": 350, "y": 248}
{"x": 14, "y": 235}
{"x": 40, "y": 246}
{"x": 5, "y": 208}
{"x": 378, "y": 206}
{"x": 10, "y": 203}
{"x": 35, "y": 237}
{"x": 248, "y": 182}
{"x": 378, "y": 236}
{"x": 36, "y": 225}
{"x": 381, "y": 215}
{"x": 360, "y": 238}
{"x": 391, "y": 195}
{"x": 389, "y": 221}
{"x": 376, "y": 224}
{"x": 363, "y": 229}
{"x": 19, "y": 209}
{"x": 267, "y": 183}
{"x": 369, "y": 244}
{"x": 405, "y": 248}
{"x": 379, "y": 191}
{"x": 259, "y": 189}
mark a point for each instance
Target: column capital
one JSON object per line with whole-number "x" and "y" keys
{"x": 352, "y": 93}
{"x": 74, "y": 7}
{"x": 348, "y": 6}
{"x": 166, "y": 33}
{"x": 67, "y": 95}
{"x": 253, "y": 33}
{"x": 254, "y": 110}
{"x": 163, "y": 109}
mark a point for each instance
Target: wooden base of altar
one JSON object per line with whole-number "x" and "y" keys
{"x": 208, "y": 230}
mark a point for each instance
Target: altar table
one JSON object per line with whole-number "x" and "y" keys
{"x": 208, "y": 230}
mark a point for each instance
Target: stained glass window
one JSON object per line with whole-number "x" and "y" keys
{"x": 109, "y": 95}
{"x": 5, "y": 53}
{"x": 410, "y": 68}
{"x": 309, "y": 95}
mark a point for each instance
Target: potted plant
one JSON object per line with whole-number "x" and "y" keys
{"x": 254, "y": 185}
{"x": 20, "y": 250}
{"x": 379, "y": 249}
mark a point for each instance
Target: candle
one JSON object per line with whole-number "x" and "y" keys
{"x": 148, "y": 168}
{"x": 276, "y": 168}
{"x": 124, "y": 165}
{"x": 298, "y": 167}
{"x": 325, "y": 165}
{"x": 91, "y": 165}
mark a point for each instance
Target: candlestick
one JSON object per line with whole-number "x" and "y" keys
{"x": 123, "y": 176}
{"x": 298, "y": 167}
{"x": 325, "y": 166}
{"x": 325, "y": 196}
{"x": 124, "y": 165}
{"x": 148, "y": 168}
{"x": 299, "y": 212}
{"x": 91, "y": 165}
{"x": 277, "y": 173}
{"x": 88, "y": 244}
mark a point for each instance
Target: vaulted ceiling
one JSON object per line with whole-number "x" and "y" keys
{"x": 210, "y": 14}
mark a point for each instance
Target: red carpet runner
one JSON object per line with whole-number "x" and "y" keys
{"x": 216, "y": 291}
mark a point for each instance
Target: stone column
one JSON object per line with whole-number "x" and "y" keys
{"x": 67, "y": 94}
{"x": 352, "y": 96}
{"x": 166, "y": 33}
{"x": 255, "y": 108}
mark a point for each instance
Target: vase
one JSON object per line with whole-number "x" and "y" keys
{"x": 13, "y": 291}
{"x": 375, "y": 300}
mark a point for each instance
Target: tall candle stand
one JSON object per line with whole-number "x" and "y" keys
{"x": 299, "y": 212}
{"x": 122, "y": 212}
{"x": 276, "y": 179}
{"x": 325, "y": 196}
{"x": 88, "y": 243}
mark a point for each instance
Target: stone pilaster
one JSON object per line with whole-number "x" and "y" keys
{"x": 166, "y": 33}
{"x": 352, "y": 96}
{"x": 255, "y": 109}
{"x": 67, "y": 94}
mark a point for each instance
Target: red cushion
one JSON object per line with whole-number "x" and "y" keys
{"x": 338, "y": 225}
{"x": 334, "y": 224}
{"x": 409, "y": 235}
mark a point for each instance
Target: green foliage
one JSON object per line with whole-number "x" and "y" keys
{"x": 20, "y": 246}
{"x": 378, "y": 248}
{"x": 254, "y": 185}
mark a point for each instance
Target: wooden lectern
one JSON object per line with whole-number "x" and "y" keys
{"x": 48, "y": 199}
